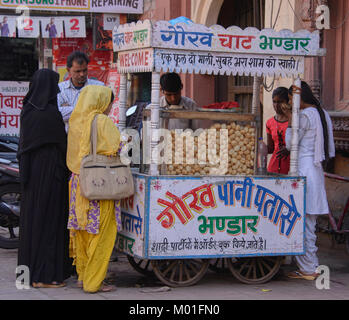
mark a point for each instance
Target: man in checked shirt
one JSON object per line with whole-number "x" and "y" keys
{"x": 70, "y": 90}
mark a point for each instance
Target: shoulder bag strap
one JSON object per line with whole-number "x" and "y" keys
{"x": 94, "y": 138}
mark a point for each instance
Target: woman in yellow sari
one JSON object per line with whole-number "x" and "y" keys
{"x": 93, "y": 224}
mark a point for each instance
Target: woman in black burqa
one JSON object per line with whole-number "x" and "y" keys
{"x": 44, "y": 176}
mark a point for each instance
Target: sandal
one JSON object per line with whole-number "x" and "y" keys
{"x": 48, "y": 285}
{"x": 300, "y": 275}
{"x": 107, "y": 288}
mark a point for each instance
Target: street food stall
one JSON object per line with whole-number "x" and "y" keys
{"x": 184, "y": 213}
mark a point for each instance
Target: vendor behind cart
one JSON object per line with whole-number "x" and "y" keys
{"x": 171, "y": 86}
{"x": 172, "y": 99}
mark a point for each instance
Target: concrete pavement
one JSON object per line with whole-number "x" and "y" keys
{"x": 214, "y": 286}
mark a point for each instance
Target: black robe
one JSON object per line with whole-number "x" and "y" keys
{"x": 44, "y": 238}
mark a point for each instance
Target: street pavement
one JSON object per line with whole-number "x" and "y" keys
{"x": 214, "y": 286}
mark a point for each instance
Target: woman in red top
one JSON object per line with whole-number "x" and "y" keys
{"x": 276, "y": 129}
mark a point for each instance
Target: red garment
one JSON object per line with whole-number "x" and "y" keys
{"x": 273, "y": 127}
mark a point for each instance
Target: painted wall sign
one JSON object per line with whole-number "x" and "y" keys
{"x": 136, "y": 61}
{"x": 132, "y": 36}
{"x": 110, "y": 20}
{"x": 235, "y": 40}
{"x": 11, "y": 103}
{"x": 197, "y": 37}
{"x": 131, "y": 239}
{"x": 8, "y": 26}
{"x": 75, "y": 27}
{"x": 28, "y": 27}
{"x": 228, "y": 64}
{"x": 115, "y": 6}
{"x": 217, "y": 216}
{"x": 171, "y": 217}
{"x": 51, "y": 27}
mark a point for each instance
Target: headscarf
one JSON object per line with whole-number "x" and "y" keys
{"x": 93, "y": 100}
{"x": 40, "y": 120}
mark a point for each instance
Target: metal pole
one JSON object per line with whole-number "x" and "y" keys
{"x": 123, "y": 100}
{"x": 256, "y": 93}
{"x": 155, "y": 122}
{"x": 295, "y": 126}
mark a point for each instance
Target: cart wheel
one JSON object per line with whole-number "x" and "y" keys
{"x": 143, "y": 266}
{"x": 254, "y": 270}
{"x": 180, "y": 273}
{"x": 219, "y": 265}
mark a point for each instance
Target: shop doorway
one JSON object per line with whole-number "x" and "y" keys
{"x": 248, "y": 13}
{"x": 19, "y": 59}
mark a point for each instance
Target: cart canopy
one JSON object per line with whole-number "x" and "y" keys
{"x": 195, "y": 48}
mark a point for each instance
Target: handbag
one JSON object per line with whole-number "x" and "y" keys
{"x": 104, "y": 177}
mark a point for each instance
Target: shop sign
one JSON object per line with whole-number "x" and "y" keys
{"x": 75, "y": 27}
{"x": 11, "y": 103}
{"x": 131, "y": 238}
{"x": 28, "y": 27}
{"x": 215, "y": 216}
{"x": 174, "y": 217}
{"x": 136, "y": 61}
{"x": 197, "y": 37}
{"x": 115, "y": 6}
{"x": 110, "y": 21}
{"x": 235, "y": 40}
{"x": 228, "y": 64}
{"x": 132, "y": 36}
{"x": 51, "y": 27}
{"x": 8, "y": 26}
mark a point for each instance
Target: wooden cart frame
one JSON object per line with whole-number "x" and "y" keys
{"x": 191, "y": 48}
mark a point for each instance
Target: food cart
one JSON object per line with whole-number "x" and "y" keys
{"x": 184, "y": 215}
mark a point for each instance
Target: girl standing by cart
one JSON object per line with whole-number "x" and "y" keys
{"x": 316, "y": 144}
{"x": 276, "y": 129}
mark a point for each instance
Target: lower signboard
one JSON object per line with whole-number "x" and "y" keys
{"x": 186, "y": 217}
{"x": 12, "y": 94}
{"x": 226, "y": 216}
{"x": 131, "y": 239}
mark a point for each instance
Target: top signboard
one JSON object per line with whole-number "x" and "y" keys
{"x": 107, "y": 6}
{"x": 197, "y": 37}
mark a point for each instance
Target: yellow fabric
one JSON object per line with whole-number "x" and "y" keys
{"x": 91, "y": 252}
{"x": 94, "y": 250}
{"x": 93, "y": 100}
{"x": 82, "y": 206}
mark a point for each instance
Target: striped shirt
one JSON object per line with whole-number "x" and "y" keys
{"x": 171, "y": 124}
{"x": 68, "y": 97}
{"x": 187, "y": 104}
